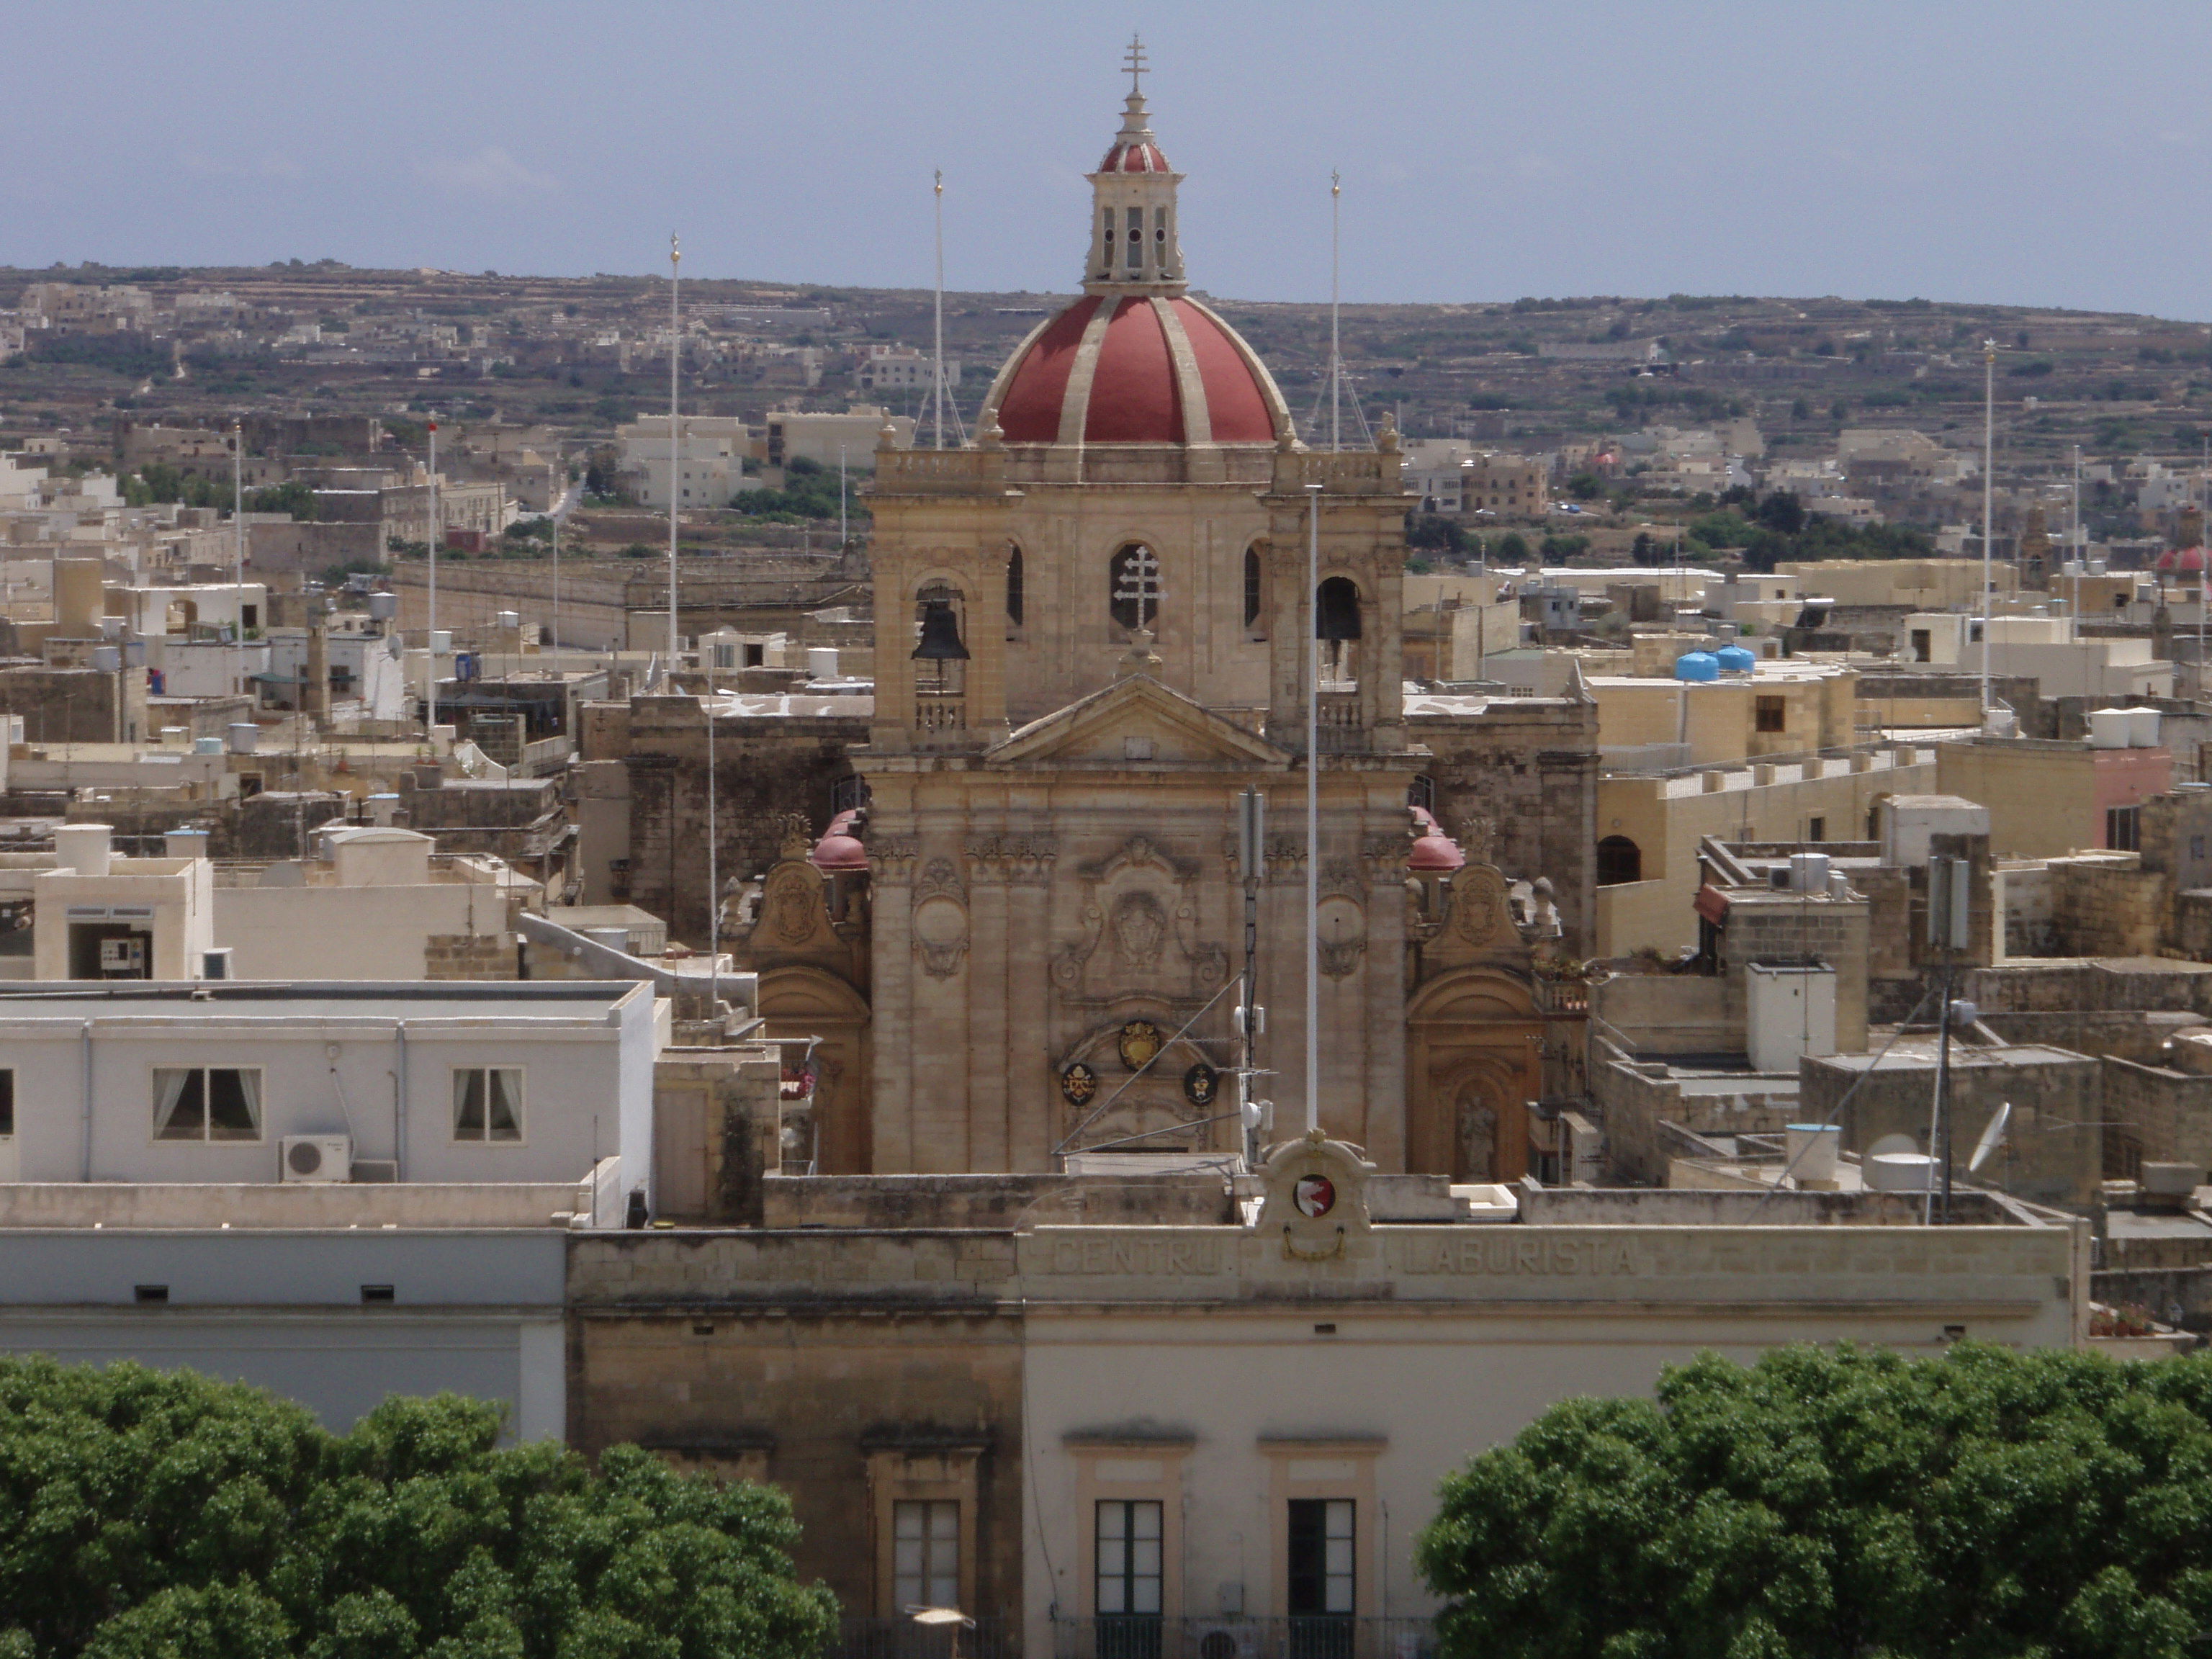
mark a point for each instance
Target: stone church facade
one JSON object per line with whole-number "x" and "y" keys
{"x": 1094, "y": 630}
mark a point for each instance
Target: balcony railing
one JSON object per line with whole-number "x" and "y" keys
{"x": 941, "y": 711}
{"x": 1322, "y": 1636}
{"x": 901, "y": 1638}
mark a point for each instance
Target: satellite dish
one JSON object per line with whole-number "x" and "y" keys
{"x": 1993, "y": 1137}
{"x": 1889, "y": 1144}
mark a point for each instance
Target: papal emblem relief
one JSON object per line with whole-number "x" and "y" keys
{"x": 1201, "y": 1084}
{"x": 1078, "y": 1085}
{"x": 1140, "y": 1040}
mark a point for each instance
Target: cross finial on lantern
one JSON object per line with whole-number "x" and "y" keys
{"x": 1134, "y": 61}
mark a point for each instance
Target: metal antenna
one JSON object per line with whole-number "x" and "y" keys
{"x": 1335, "y": 337}
{"x": 1989, "y": 489}
{"x": 1313, "y": 805}
{"x": 430, "y": 726}
{"x": 675, "y": 442}
{"x": 937, "y": 377}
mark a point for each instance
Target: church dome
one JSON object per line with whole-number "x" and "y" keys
{"x": 2188, "y": 560}
{"x": 1132, "y": 369}
{"x": 1136, "y": 360}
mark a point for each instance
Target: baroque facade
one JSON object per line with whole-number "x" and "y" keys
{"x": 1094, "y": 630}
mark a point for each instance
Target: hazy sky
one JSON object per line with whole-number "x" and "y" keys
{"x": 2033, "y": 153}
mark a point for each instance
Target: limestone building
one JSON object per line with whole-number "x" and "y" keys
{"x": 1093, "y": 630}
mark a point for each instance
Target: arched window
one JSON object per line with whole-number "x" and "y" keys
{"x": 1620, "y": 860}
{"x": 1251, "y": 586}
{"x": 1014, "y": 597}
{"x": 1135, "y": 587}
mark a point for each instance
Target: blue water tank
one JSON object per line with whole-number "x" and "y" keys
{"x": 1735, "y": 659}
{"x": 1696, "y": 666}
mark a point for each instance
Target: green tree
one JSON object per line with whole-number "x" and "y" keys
{"x": 1824, "y": 1504}
{"x": 149, "y": 1515}
{"x": 1585, "y": 486}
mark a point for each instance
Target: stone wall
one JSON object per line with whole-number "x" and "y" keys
{"x": 766, "y": 768}
{"x": 2055, "y": 1149}
{"x": 2160, "y": 1114}
{"x": 898, "y": 1367}
{"x": 994, "y": 1201}
{"x": 74, "y": 705}
{"x": 2104, "y": 905}
{"x": 470, "y": 956}
{"x": 1528, "y": 769}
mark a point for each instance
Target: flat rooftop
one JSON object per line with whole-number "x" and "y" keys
{"x": 337, "y": 998}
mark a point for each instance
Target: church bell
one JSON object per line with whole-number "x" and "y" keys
{"x": 940, "y": 634}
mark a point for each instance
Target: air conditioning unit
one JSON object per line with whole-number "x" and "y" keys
{"x": 1226, "y": 1639}
{"x": 216, "y": 964}
{"x": 315, "y": 1158}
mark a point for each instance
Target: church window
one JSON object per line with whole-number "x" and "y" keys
{"x": 1014, "y": 594}
{"x": 1252, "y": 593}
{"x": 1135, "y": 587}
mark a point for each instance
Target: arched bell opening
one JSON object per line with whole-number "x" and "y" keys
{"x": 940, "y": 658}
{"x": 1336, "y": 626}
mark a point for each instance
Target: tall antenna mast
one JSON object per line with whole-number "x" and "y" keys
{"x": 430, "y": 726}
{"x": 1313, "y": 805}
{"x": 937, "y": 380}
{"x": 1989, "y": 496}
{"x": 1335, "y": 339}
{"x": 675, "y": 443}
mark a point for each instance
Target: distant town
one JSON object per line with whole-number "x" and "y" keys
{"x": 1114, "y": 984}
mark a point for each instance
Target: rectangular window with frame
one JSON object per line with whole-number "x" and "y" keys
{"x": 925, "y": 1552}
{"x": 207, "y": 1103}
{"x": 488, "y": 1103}
{"x": 1322, "y": 1537}
{"x": 2123, "y": 829}
{"x": 7, "y": 1104}
{"x": 1127, "y": 1577}
{"x": 1770, "y": 714}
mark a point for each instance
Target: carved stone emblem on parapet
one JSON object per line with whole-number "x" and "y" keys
{"x": 1316, "y": 1200}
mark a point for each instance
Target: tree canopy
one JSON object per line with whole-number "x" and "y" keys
{"x": 149, "y": 1515}
{"x": 1981, "y": 1505}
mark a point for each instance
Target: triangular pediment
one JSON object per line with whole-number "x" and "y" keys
{"x": 1136, "y": 725}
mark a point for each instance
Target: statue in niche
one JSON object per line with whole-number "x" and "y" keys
{"x": 1477, "y": 1138}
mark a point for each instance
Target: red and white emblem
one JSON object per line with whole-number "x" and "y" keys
{"x": 1315, "y": 1195}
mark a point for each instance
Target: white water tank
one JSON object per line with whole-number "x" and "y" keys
{"x": 245, "y": 736}
{"x": 107, "y": 659}
{"x": 2143, "y": 727}
{"x": 2108, "y": 728}
{"x": 508, "y": 618}
{"x": 207, "y": 746}
{"x": 821, "y": 662}
{"x": 1900, "y": 1172}
{"x": 383, "y": 607}
{"x": 84, "y": 849}
{"x": 1808, "y": 873}
{"x": 1811, "y": 1152}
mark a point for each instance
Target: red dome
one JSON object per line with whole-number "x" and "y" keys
{"x": 1134, "y": 158}
{"x": 2185, "y": 558}
{"x": 1435, "y": 851}
{"x": 1151, "y": 370}
{"x": 838, "y": 849}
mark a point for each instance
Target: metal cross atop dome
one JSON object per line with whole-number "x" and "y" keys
{"x": 1134, "y": 61}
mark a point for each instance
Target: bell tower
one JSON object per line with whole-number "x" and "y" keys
{"x": 1133, "y": 250}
